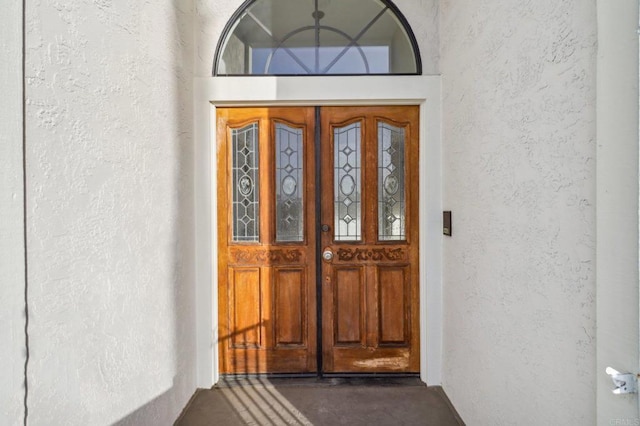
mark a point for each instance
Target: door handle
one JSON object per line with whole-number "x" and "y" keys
{"x": 327, "y": 255}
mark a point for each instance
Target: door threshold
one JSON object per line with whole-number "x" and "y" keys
{"x": 247, "y": 376}
{"x": 313, "y": 379}
{"x": 373, "y": 379}
{"x": 370, "y": 375}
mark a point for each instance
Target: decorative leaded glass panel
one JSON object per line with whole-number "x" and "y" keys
{"x": 289, "y": 184}
{"x": 347, "y": 185}
{"x": 391, "y": 188}
{"x": 245, "y": 184}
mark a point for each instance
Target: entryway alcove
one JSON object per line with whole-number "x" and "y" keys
{"x": 291, "y": 292}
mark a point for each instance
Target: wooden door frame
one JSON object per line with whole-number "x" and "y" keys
{"x": 317, "y": 91}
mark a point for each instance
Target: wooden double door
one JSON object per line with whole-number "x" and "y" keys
{"x": 318, "y": 239}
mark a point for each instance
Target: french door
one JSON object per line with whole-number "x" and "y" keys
{"x": 318, "y": 239}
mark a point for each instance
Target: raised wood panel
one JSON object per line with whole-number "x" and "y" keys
{"x": 245, "y": 307}
{"x": 393, "y": 297}
{"x": 290, "y": 307}
{"x": 349, "y": 306}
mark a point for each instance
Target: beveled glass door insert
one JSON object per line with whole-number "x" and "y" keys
{"x": 391, "y": 178}
{"x": 347, "y": 182}
{"x": 289, "y": 183}
{"x": 246, "y": 216}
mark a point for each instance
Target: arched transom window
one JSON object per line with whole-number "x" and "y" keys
{"x": 317, "y": 37}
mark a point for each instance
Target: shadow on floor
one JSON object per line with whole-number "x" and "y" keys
{"x": 261, "y": 401}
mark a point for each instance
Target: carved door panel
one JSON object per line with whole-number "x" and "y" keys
{"x": 266, "y": 240}
{"x": 370, "y": 240}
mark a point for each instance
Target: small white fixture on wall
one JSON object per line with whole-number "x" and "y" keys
{"x": 625, "y": 382}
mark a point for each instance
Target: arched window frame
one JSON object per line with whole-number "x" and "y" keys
{"x": 239, "y": 13}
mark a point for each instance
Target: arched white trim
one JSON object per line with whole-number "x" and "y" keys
{"x": 371, "y": 90}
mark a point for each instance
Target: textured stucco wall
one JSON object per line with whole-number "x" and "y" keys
{"x": 109, "y": 160}
{"x": 519, "y": 175}
{"x": 12, "y": 283}
{"x": 617, "y": 204}
{"x": 213, "y": 15}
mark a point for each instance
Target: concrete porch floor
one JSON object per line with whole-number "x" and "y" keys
{"x": 311, "y": 401}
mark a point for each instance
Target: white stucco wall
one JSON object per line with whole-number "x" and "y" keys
{"x": 617, "y": 202}
{"x": 519, "y": 163}
{"x": 213, "y": 15}
{"x": 110, "y": 207}
{"x": 12, "y": 318}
